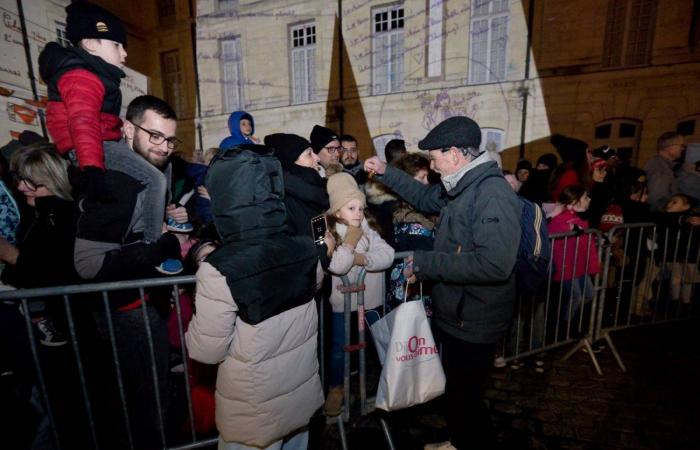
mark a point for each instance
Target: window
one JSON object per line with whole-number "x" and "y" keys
{"x": 387, "y": 49}
{"x": 232, "y": 80}
{"x": 172, "y": 80}
{"x": 488, "y": 41}
{"x": 303, "y": 39}
{"x": 224, "y": 5}
{"x": 690, "y": 128}
{"x": 621, "y": 134}
{"x": 629, "y": 32}
{"x": 166, "y": 9}
{"x": 492, "y": 139}
{"x": 435, "y": 37}
{"x": 61, "y": 34}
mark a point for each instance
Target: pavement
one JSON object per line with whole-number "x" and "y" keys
{"x": 568, "y": 405}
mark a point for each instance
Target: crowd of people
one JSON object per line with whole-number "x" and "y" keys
{"x": 110, "y": 199}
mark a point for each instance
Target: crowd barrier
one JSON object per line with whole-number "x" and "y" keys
{"x": 640, "y": 282}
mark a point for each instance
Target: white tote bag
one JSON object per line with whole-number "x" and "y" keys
{"x": 412, "y": 372}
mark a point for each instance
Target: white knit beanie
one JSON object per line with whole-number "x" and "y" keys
{"x": 342, "y": 188}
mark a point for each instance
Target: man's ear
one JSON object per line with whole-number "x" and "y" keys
{"x": 128, "y": 129}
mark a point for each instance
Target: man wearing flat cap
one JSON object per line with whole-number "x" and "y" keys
{"x": 471, "y": 264}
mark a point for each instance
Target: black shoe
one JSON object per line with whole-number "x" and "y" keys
{"x": 49, "y": 336}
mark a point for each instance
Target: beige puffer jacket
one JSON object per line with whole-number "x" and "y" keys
{"x": 379, "y": 255}
{"x": 268, "y": 383}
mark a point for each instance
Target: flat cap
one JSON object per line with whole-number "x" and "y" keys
{"x": 458, "y": 131}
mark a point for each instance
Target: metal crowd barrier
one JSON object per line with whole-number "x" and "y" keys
{"x": 73, "y": 298}
{"x": 633, "y": 287}
{"x": 650, "y": 277}
{"x": 561, "y": 312}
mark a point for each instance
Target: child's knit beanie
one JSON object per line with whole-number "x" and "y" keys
{"x": 88, "y": 21}
{"x": 342, "y": 188}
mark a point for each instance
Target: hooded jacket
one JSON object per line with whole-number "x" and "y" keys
{"x": 267, "y": 384}
{"x": 305, "y": 197}
{"x": 234, "y": 126}
{"x": 475, "y": 250}
{"x": 84, "y": 102}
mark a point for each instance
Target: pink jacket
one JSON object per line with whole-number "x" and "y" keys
{"x": 587, "y": 249}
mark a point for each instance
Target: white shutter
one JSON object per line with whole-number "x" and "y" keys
{"x": 479, "y": 48}
{"x": 382, "y": 53}
{"x": 499, "y": 37}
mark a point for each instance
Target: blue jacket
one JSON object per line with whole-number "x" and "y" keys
{"x": 234, "y": 126}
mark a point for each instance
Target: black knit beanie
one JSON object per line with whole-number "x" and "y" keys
{"x": 88, "y": 21}
{"x": 320, "y": 137}
{"x": 287, "y": 147}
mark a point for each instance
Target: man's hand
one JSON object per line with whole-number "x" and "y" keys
{"x": 353, "y": 236}
{"x": 408, "y": 269}
{"x": 375, "y": 165}
{"x": 202, "y": 191}
{"x": 177, "y": 213}
{"x": 693, "y": 221}
{"x": 8, "y": 252}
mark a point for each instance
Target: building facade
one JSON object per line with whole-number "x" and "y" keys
{"x": 616, "y": 72}
{"x": 160, "y": 45}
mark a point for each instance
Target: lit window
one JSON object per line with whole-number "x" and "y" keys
{"x": 488, "y": 41}
{"x": 232, "y": 74}
{"x": 61, "y": 34}
{"x": 388, "y": 49}
{"x": 303, "y": 56}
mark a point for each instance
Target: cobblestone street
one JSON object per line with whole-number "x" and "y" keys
{"x": 569, "y": 406}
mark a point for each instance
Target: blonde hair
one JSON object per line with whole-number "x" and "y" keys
{"x": 40, "y": 163}
{"x": 208, "y": 154}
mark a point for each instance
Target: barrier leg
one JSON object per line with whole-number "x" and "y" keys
{"x": 341, "y": 431}
{"x": 585, "y": 343}
{"x": 614, "y": 351}
{"x": 387, "y": 433}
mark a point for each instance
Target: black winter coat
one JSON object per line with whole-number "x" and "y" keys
{"x": 305, "y": 197}
{"x": 46, "y": 247}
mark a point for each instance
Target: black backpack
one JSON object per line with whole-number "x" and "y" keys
{"x": 534, "y": 251}
{"x": 267, "y": 270}
{"x": 253, "y": 205}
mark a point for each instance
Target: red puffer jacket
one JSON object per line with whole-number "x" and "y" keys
{"x": 77, "y": 122}
{"x": 84, "y": 101}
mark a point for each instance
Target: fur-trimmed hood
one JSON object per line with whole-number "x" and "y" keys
{"x": 377, "y": 193}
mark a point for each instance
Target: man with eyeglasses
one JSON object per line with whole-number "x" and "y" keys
{"x": 661, "y": 170}
{"x": 326, "y": 145}
{"x": 149, "y": 134}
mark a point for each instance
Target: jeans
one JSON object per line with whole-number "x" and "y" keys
{"x": 119, "y": 157}
{"x": 466, "y": 367}
{"x": 577, "y": 292}
{"x": 337, "y": 354}
{"x": 299, "y": 441}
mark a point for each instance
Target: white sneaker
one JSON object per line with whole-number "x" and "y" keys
{"x": 447, "y": 445}
{"x": 499, "y": 362}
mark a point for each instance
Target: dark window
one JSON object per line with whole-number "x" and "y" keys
{"x": 166, "y": 9}
{"x": 628, "y": 130}
{"x": 686, "y": 128}
{"x": 603, "y": 131}
{"x": 172, "y": 81}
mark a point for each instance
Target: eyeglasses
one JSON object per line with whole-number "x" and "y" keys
{"x": 32, "y": 186}
{"x": 157, "y": 138}
{"x": 332, "y": 150}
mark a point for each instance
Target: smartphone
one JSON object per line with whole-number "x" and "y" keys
{"x": 318, "y": 228}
